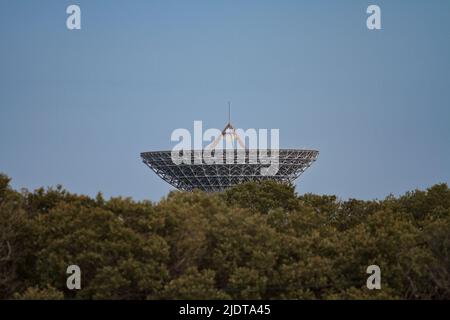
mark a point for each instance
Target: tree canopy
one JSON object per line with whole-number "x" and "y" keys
{"x": 253, "y": 241}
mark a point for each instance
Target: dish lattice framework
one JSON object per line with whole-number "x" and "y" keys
{"x": 218, "y": 177}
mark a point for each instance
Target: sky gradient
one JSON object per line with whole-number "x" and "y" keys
{"x": 78, "y": 107}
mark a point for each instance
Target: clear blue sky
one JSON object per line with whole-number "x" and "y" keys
{"x": 78, "y": 107}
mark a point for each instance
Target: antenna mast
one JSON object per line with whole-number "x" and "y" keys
{"x": 229, "y": 112}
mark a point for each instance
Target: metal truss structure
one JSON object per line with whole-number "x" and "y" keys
{"x": 213, "y": 169}
{"x": 198, "y": 174}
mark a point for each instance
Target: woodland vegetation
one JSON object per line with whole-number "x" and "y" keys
{"x": 254, "y": 241}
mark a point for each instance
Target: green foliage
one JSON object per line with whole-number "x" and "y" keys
{"x": 254, "y": 241}
{"x": 262, "y": 197}
{"x": 15, "y": 236}
{"x": 35, "y": 293}
{"x": 193, "y": 285}
{"x": 104, "y": 247}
